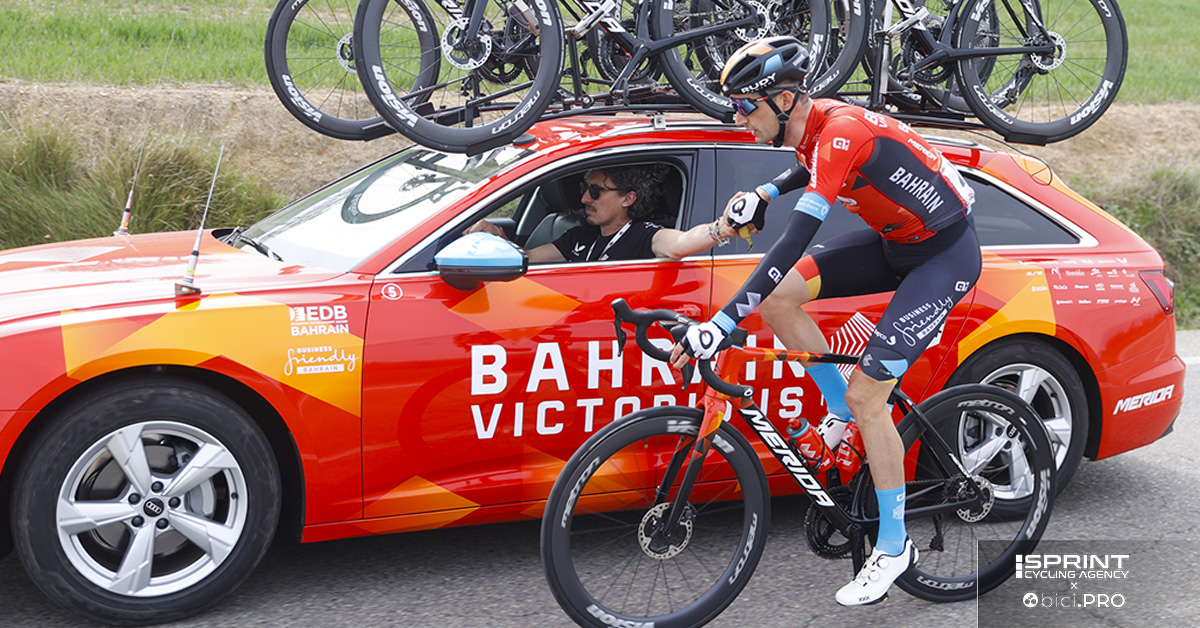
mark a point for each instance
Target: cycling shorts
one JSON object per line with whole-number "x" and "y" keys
{"x": 929, "y": 278}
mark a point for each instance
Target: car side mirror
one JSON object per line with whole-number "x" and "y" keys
{"x": 478, "y": 257}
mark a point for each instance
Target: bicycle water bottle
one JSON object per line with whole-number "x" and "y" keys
{"x": 850, "y": 454}
{"x": 812, "y": 447}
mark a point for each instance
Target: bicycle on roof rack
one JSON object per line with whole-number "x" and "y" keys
{"x": 465, "y": 77}
{"x": 1033, "y": 71}
{"x": 660, "y": 518}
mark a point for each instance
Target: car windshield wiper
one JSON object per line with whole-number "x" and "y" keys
{"x": 237, "y": 236}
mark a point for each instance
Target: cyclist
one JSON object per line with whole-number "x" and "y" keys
{"x": 922, "y": 245}
{"x": 618, "y": 203}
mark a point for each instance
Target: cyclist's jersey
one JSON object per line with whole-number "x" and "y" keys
{"x": 881, "y": 170}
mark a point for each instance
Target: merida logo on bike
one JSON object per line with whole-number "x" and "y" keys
{"x": 610, "y": 620}
{"x": 780, "y": 448}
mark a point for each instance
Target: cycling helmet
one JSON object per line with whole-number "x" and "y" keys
{"x": 761, "y": 64}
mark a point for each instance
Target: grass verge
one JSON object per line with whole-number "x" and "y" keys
{"x": 1164, "y": 208}
{"x": 50, "y": 191}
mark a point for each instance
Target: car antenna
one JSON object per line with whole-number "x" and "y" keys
{"x": 187, "y": 286}
{"x": 123, "y": 230}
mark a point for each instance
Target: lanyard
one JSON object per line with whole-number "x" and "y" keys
{"x": 604, "y": 253}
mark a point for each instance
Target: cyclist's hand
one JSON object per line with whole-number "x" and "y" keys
{"x": 747, "y": 209}
{"x": 700, "y": 342}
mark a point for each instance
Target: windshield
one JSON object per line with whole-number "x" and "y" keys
{"x": 343, "y": 224}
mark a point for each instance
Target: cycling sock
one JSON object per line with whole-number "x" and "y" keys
{"x": 833, "y": 388}
{"x": 891, "y": 521}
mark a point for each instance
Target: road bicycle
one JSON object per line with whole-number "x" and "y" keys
{"x": 502, "y": 61}
{"x": 1033, "y": 71}
{"x": 660, "y": 518}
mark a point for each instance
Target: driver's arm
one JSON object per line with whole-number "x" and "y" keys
{"x": 676, "y": 244}
{"x": 546, "y": 253}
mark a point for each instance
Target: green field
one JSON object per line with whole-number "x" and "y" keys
{"x": 123, "y": 42}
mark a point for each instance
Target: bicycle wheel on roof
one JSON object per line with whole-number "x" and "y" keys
{"x": 494, "y": 80}
{"x": 1052, "y": 67}
{"x": 310, "y": 60}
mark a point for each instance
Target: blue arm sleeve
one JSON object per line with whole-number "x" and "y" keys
{"x": 787, "y": 181}
{"x": 799, "y": 231}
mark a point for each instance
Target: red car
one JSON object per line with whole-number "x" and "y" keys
{"x": 330, "y": 381}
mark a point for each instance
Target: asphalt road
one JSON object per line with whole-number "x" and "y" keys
{"x": 491, "y": 575}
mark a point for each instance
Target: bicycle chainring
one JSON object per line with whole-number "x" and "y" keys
{"x": 658, "y": 542}
{"x": 824, "y": 539}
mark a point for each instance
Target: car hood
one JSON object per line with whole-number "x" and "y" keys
{"x": 109, "y": 271}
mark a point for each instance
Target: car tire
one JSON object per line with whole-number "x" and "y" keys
{"x": 1041, "y": 376}
{"x": 145, "y": 502}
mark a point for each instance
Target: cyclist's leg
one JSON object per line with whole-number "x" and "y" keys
{"x": 856, "y": 265}
{"x": 937, "y": 274}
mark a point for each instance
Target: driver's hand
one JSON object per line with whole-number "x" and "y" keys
{"x": 700, "y": 342}
{"x": 486, "y": 227}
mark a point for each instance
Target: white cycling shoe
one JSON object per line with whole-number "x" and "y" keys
{"x": 871, "y": 584}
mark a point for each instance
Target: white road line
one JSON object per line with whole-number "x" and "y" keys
{"x": 1192, "y": 360}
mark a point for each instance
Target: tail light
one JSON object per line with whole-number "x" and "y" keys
{"x": 1163, "y": 288}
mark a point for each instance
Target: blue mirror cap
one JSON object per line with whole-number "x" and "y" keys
{"x": 482, "y": 251}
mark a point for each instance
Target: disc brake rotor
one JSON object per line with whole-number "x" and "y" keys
{"x": 465, "y": 54}
{"x": 661, "y": 544}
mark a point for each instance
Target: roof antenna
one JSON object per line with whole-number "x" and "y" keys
{"x": 123, "y": 230}
{"x": 187, "y": 285}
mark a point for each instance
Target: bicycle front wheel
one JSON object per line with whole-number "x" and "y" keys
{"x": 310, "y": 61}
{"x": 608, "y": 554}
{"x": 492, "y": 84}
{"x": 968, "y": 532}
{"x": 1055, "y": 92}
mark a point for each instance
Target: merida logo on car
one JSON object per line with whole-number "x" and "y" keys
{"x": 1144, "y": 399}
{"x": 608, "y": 619}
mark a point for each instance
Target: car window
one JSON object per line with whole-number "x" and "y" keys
{"x": 349, "y": 220}
{"x": 743, "y": 168}
{"x": 1003, "y": 219}
{"x": 550, "y": 205}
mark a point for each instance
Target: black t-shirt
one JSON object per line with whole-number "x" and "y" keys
{"x": 584, "y": 243}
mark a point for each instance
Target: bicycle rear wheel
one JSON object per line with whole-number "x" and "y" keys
{"x": 491, "y": 87}
{"x": 968, "y": 539}
{"x": 311, "y": 65}
{"x": 694, "y": 68}
{"x": 607, "y": 555}
{"x": 1038, "y": 98}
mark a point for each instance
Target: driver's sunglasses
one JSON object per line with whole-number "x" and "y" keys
{"x": 594, "y": 190}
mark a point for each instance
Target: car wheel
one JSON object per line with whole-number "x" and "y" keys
{"x": 146, "y": 502}
{"x": 1041, "y": 376}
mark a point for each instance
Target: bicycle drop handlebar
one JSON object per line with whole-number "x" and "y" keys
{"x": 677, "y": 325}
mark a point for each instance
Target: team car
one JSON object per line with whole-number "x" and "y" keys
{"x": 348, "y": 366}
